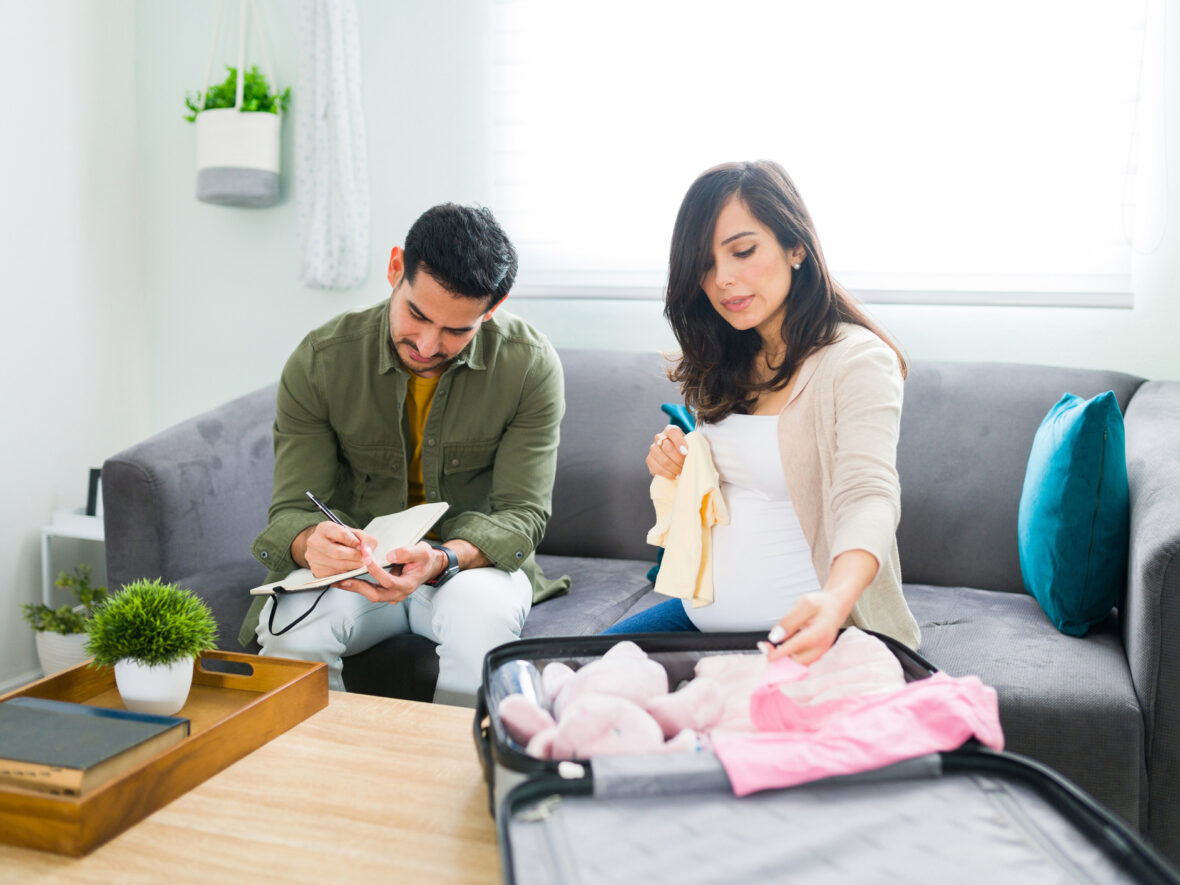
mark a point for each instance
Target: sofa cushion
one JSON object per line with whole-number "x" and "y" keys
{"x": 966, "y": 431}
{"x": 1064, "y": 701}
{"x": 225, "y": 589}
{"x": 601, "y": 591}
{"x": 1075, "y": 512}
{"x": 600, "y": 501}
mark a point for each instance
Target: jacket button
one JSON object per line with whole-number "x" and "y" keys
{"x": 519, "y": 555}
{"x": 430, "y": 442}
{"x": 264, "y": 554}
{"x": 454, "y": 462}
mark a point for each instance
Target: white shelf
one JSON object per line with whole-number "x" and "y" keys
{"x": 76, "y": 524}
{"x": 66, "y": 524}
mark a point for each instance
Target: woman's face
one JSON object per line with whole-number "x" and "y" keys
{"x": 751, "y": 272}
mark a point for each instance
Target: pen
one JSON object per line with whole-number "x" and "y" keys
{"x": 365, "y": 551}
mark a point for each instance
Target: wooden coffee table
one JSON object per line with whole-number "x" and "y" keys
{"x": 368, "y": 789}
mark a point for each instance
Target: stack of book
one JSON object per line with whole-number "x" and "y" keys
{"x": 70, "y": 749}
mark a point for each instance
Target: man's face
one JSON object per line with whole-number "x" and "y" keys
{"x": 429, "y": 325}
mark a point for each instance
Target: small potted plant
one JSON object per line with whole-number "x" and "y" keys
{"x": 238, "y": 140}
{"x": 151, "y": 632}
{"x": 61, "y": 632}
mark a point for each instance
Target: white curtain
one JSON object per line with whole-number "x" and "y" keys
{"x": 331, "y": 161}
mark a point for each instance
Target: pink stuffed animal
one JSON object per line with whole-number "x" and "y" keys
{"x": 553, "y": 680}
{"x": 522, "y": 718}
{"x": 541, "y": 746}
{"x": 697, "y": 706}
{"x": 624, "y": 671}
{"x": 601, "y": 724}
{"x": 600, "y": 709}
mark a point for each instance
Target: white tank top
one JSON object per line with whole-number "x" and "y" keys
{"x": 761, "y": 561}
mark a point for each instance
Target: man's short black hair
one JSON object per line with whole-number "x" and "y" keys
{"x": 464, "y": 249}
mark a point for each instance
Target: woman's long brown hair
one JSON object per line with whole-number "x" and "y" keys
{"x": 716, "y": 365}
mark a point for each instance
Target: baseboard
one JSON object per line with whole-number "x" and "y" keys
{"x": 18, "y": 681}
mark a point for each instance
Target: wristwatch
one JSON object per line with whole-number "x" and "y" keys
{"x": 449, "y": 571}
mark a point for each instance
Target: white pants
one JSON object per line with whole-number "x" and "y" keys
{"x": 468, "y": 616}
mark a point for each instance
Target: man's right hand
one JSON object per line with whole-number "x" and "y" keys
{"x": 665, "y": 456}
{"x": 328, "y": 549}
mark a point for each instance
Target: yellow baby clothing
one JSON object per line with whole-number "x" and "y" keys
{"x": 687, "y": 508}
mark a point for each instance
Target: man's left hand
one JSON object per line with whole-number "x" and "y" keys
{"x": 419, "y": 563}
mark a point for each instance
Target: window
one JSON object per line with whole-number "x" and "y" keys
{"x": 947, "y": 151}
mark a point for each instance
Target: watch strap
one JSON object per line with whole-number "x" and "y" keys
{"x": 449, "y": 570}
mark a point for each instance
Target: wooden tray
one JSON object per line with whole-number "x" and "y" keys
{"x": 238, "y": 702}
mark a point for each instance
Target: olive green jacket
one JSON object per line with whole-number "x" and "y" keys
{"x": 489, "y": 446}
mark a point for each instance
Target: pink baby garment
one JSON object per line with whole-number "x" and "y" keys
{"x": 799, "y": 742}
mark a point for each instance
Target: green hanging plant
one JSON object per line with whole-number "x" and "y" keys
{"x": 256, "y": 95}
{"x": 150, "y": 622}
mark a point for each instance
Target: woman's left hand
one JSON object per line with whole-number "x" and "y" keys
{"x": 809, "y": 628}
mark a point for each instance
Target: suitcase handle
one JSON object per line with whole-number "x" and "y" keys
{"x": 482, "y": 734}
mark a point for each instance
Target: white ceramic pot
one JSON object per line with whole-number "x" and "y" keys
{"x": 161, "y": 690}
{"x": 58, "y": 651}
{"x": 238, "y": 157}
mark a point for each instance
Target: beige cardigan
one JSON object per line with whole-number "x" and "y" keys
{"x": 838, "y": 443}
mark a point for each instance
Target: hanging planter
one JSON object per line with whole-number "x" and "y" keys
{"x": 238, "y": 129}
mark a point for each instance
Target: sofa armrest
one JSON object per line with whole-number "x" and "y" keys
{"x": 1150, "y": 613}
{"x": 193, "y": 496}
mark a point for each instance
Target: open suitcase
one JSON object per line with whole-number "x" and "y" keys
{"x": 972, "y": 815}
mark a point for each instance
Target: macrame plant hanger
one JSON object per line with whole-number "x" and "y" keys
{"x": 238, "y": 150}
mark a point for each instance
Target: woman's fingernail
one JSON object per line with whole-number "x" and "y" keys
{"x": 777, "y": 634}
{"x": 684, "y": 450}
{"x": 764, "y": 647}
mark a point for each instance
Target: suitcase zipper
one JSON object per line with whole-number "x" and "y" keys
{"x": 1022, "y": 819}
{"x": 544, "y": 814}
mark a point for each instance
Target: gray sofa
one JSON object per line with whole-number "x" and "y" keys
{"x": 1102, "y": 710}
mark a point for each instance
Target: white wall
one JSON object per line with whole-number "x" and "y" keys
{"x": 133, "y": 306}
{"x": 74, "y": 360}
{"x": 225, "y": 304}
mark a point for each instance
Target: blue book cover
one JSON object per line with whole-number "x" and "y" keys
{"x": 65, "y": 747}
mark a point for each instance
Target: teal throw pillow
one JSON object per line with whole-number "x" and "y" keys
{"x": 1074, "y": 514}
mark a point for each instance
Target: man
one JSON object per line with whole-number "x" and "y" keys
{"x": 431, "y": 396}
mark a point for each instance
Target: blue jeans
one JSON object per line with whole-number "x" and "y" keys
{"x": 666, "y": 617}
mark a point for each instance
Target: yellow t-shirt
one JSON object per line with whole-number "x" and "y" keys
{"x": 419, "y": 395}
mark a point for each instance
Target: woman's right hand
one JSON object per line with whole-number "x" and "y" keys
{"x": 665, "y": 456}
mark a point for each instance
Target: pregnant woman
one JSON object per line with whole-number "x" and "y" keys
{"x": 797, "y": 395}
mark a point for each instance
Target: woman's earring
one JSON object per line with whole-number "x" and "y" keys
{"x": 796, "y": 266}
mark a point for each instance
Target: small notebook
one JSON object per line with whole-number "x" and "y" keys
{"x": 391, "y": 531}
{"x": 69, "y": 749}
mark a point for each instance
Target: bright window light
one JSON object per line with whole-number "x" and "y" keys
{"x": 947, "y": 151}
